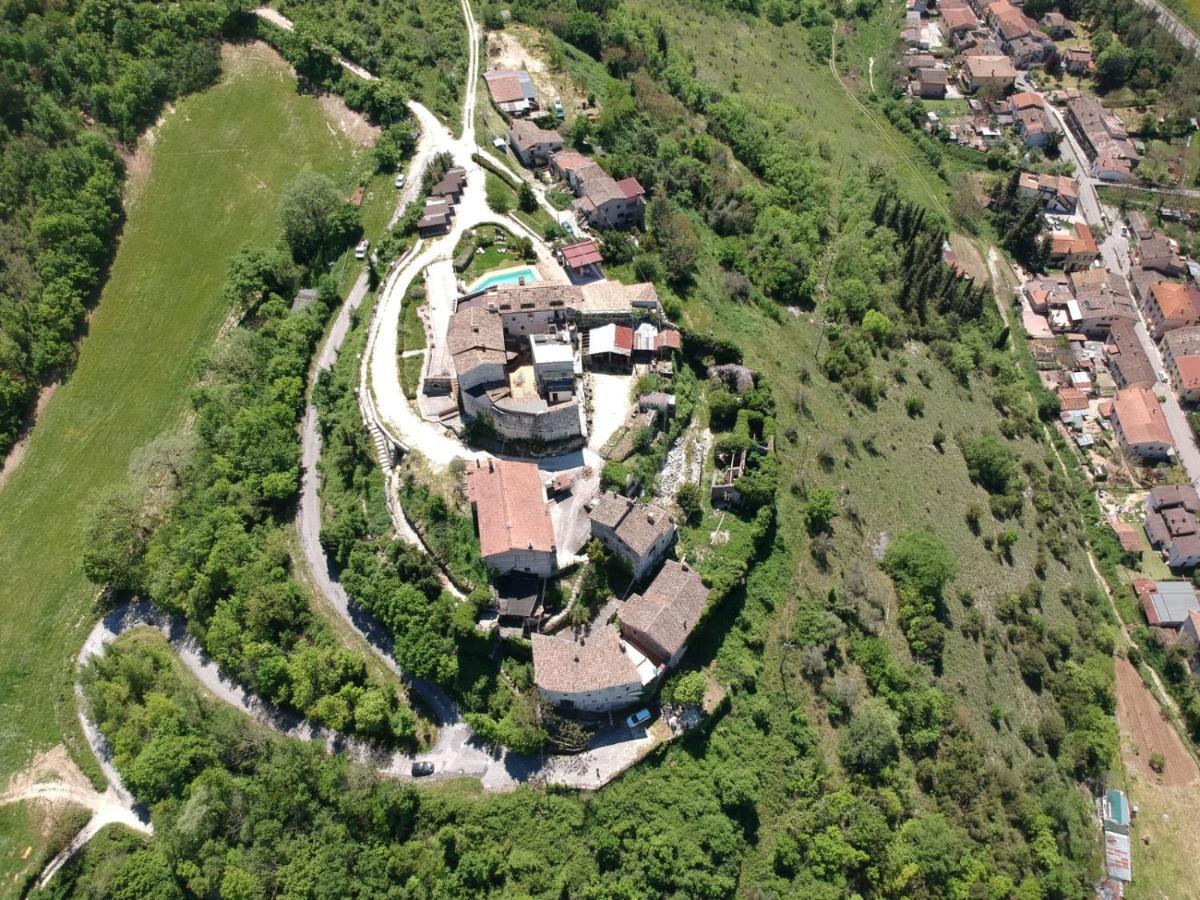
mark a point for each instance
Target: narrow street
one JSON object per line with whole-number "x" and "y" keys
{"x": 1115, "y": 253}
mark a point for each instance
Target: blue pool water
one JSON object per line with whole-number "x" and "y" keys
{"x": 512, "y": 277}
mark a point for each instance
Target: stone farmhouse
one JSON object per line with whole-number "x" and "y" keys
{"x": 640, "y": 533}
{"x": 596, "y": 672}
{"x": 532, "y": 144}
{"x": 660, "y": 620}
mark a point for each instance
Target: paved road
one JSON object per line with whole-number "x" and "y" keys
{"x": 1115, "y": 254}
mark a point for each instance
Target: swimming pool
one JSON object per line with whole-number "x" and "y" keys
{"x": 506, "y": 276}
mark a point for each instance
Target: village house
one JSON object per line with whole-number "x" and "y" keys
{"x": 605, "y": 202}
{"x": 1181, "y": 355}
{"x": 593, "y": 672}
{"x": 553, "y": 358}
{"x": 1139, "y": 224}
{"x": 1078, "y": 61}
{"x": 508, "y": 502}
{"x": 1170, "y": 305}
{"x": 1140, "y": 426}
{"x": 930, "y": 84}
{"x": 640, "y": 533}
{"x": 988, "y": 73}
{"x": 959, "y": 20}
{"x": 1101, "y": 301}
{"x": 1030, "y": 116}
{"x": 1104, "y": 139}
{"x": 1172, "y": 526}
{"x": 1059, "y": 194}
{"x": 1127, "y": 359}
{"x": 1159, "y": 254}
{"x": 532, "y": 144}
{"x": 914, "y": 60}
{"x": 1073, "y": 249}
{"x": 661, "y": 619}
{"x": 512, "y": 91}
{"x": 1166, "y": 604}
{"x": 1057, "y": 26}
{"x": 1189, "y": 635}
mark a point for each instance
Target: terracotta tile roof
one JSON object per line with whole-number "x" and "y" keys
{"x": 1127, "y": 356}
{"x": 510, "y": 506}
{"x": 510, "y": 298}
{"x": 637, "y": 525}
{"x": 505, "y": 87}
{"x": 613, "y": 296}
{"x": 569, "y": 160}
{"x": 1189, "y": 372}
{"x": 1126, "y": 534}
{"x": 584, "y": 253}
{"x": 668, "y": 611}
{"x": 957, "y": 18}
{"x": 1176, "y": 301}
{"x": 1141, "y": 417}
{"x": 1079, "y": 241}
{"x": 1027, "y": 100}
{"x": 1183, "y": 342}
{"x": 990, "y": 67}
{"x": 631, "y": 188}
{"x": 576, "y": 664}
{"x": 1072, "y": 398}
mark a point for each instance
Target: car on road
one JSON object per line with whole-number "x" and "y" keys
{"x": 400, "y": 179}
{"x": 638, "y": 718}
{"x": 360, "y": 252}
{"x": 421, "y": 769}
{"x": 1162, "y": 376}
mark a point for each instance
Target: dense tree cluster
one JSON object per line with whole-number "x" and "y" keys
{"x": 204, "y": 532}
{"x": 417, "y": 48}
{"x": 74, "y": 80}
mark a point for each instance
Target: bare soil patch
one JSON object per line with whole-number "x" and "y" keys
{"x": 969, "y": 259}
{"x": 1141, "y": 718}
{"x": 244, "y": 60}
{"x": 353, "y": 125}
{"x": 10, "y": 462}
{"x": 518, "y": 47}
{"x": 52, "y": 777}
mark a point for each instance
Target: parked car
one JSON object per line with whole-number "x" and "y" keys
{"x": 642, "y": 715}
{"x": 360, "y": 252}
{"x": 558, "y": 108}
{"x": 421, "y": 769}
{"x": 400, "y": 179}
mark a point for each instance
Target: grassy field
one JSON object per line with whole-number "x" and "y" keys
{"x": 209, "y": 184}
{"x": 759, "y": 63}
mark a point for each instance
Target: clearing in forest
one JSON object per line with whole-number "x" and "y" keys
{"x": 219, "y": 163}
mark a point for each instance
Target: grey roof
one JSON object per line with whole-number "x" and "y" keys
{"x": 668, "y": 611}
{"x": 637, "y": 525}
{"x": 1173, "y": 600}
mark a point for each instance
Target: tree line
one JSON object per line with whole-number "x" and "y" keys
{"x": 76, "y": 85}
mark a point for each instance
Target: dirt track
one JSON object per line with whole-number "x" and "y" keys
{"x": 1141, "y": 719}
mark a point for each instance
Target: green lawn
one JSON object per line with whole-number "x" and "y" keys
{"x": 218, "y": 165}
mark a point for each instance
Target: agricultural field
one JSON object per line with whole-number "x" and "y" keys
{"x": 203, "y": 183}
